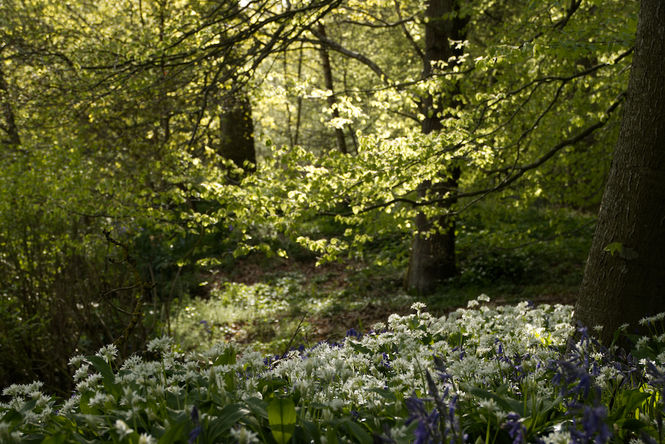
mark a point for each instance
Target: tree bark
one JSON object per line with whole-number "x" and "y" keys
{"x": 328, "y": 79}
{"x": 432, "y": 257}
{"x": 624, "y": 279}
{"x": 237, "y": 131}
{"x": 9, "y": 124}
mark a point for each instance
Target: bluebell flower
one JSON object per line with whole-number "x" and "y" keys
{"x": 352, "y": 332}
{"x": 594, "y": 427}
{"x": 427, "y": 430}
{"x": 194, "y": 434}
{"x": 385, "y": 360}
{"x": 196, "y": 431}
{"x": 515, "y": 428}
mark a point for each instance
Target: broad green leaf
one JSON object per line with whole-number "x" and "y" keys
{"x": 282, "y": 419}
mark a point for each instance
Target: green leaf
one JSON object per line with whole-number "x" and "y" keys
{"x": 506, "y": 403}
{"x": 621, "y": 250}
{"x": 225, "y": 419}
{"x": 226, "y": 358}
{"x": 632, "y": 424}
{"x": 613, "y": 248}
{"x": 85, "y": 407}
{"x": 108, "y": 378}
{"x": 173, "y": 434}
{"x": 331, "y": 435}
{"x": 282, "y": 419}
{"x": 55, "y": 439}
{"x": 258, "y": 407}
{"x": 357, "y": 431}
{"x": 385, "y": 393}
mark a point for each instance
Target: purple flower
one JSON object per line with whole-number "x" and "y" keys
{"x": 385, "y": 360}
{"x": 515, "y": 428}
{"x": 194, "y": 434}
{"x": 594, "y": 427}
{"x": 352, "y": 332}
{"x": 196, "y": 431}
{"x": 427, "y": 430}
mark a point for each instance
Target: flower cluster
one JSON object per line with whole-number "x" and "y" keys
{"x": 494, "y": 373}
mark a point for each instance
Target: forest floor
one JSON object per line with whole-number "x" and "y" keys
{"x": 277, "y": 304}
{"x": 381, "y": 294}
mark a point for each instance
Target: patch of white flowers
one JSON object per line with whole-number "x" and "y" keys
{"x": 477, "y": 345}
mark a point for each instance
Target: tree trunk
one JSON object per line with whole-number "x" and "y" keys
{"x": 624, "y": 279}
{"x": 328, "y": 78}
{"x": 237, "y": 131}
{"x": 433, "y": 254}
{"x": 9, "y": 123}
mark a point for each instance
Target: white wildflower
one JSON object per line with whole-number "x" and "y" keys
{"x": 131, "y": 362}
{"x": 162, "y": 344}
{"x": 76, "y": 361}
{"x": 70, "y": 405}
{"x": 81, "y": 372}
{"x": 418, "y": 307}
{"x": 99, "y": 399}
{"x": 15, "y": 390}
{"x": 244, "y": 436}
{"x": 642, "y": 343}
{"x": 122, "y": 428}
{"x": 146, "y": 439}
{"x": 557, "y": 437}
{"x": 489, "y": 404}
{"x": 108, "y": 352}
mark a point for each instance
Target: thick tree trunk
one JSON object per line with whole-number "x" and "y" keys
{"x": 432, "y": 257}
{"x": 433, "y": 246}
{"x": 8, "y": 124}
{"x": 237, "y": 130}
{"x": 328, "y": 79}
{"x": 624, "y": 279}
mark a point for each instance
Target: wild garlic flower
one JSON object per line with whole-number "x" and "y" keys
{"x": 145, "y": 438}
{"x": 244, "y": 436}
{"x": 122, "y": 429}
{"x": 160, "y": 345}
{"x": 76, "y": 361}
{"x": 557, "y": 437}
{"x": 108, "y": 353}
{"x": 16, "y": 390}
{"x": 81, "y": 372}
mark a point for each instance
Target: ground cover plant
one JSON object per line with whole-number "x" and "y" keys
{"x": 486, "y": 373}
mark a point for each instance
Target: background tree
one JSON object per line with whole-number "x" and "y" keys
{"x": 624, "y": 279}
{"x": 118, "y": 112}
{"x": 528, "y": 91}
{"x": 432, "y": 257}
